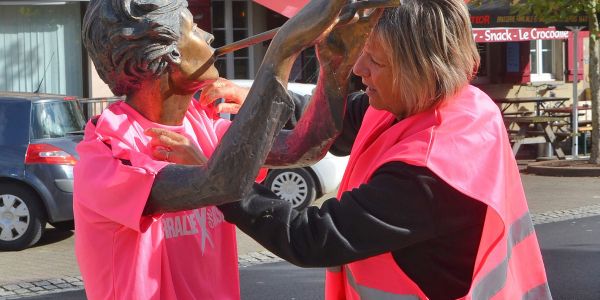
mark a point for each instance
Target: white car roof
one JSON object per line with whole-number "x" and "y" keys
{"x": 298, "y": 88}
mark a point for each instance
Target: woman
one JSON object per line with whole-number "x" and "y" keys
{"x": 147, "y": 228}
{"x": 431, "y": 205}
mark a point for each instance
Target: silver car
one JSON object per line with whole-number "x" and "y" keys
{"x": 38, "y": 135}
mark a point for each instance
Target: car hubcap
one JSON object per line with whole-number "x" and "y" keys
{"x": 14, "y": 217}
{"x": 290, "y": 187}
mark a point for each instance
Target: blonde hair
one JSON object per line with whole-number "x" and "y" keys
{"x": 431, "y": 49}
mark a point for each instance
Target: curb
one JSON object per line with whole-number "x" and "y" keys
{"x": 566, "y": 214}
{"x": 41, "y": 287}
{"x": 74, "y": 283}
{"x": 558, "y": 168}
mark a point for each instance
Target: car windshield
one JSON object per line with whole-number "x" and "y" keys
{"x": 54, "y": 119}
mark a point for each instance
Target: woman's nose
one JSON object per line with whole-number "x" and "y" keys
{"x": 359, "y": 68}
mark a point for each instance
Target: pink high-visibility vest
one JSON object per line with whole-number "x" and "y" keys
{"x": 464, "y": 142}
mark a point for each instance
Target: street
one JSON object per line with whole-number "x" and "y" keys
{"x": 571, "y": 250}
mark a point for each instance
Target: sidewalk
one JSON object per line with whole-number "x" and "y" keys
{"x": 51, "y": 267}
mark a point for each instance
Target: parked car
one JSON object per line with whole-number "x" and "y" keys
{"x": 38, "y": 135}
{"x": 301, "y": 186}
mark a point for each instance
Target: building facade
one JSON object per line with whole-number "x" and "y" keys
{"x": 41, "y": 49}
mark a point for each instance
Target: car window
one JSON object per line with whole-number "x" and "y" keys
{"x": 14, "y": 122}
{"x": 54, "y": 119}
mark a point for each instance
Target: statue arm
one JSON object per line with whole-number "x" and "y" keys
{"x": 323, "y": 117}
{"x": 229, "y": 173}
{"x": 231, "y": 170}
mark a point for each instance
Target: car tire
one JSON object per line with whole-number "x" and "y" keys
{"x": 296, "y": 186}
{"x": 22, "y": 219}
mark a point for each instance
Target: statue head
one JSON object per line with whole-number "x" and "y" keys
{"x": 133, "y": 41}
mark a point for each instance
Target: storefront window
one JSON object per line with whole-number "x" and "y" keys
{"x": 230, "y": 21}
{"x": 541, "y": 58}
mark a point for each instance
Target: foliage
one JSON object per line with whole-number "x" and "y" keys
{"x": 551, "y": 11}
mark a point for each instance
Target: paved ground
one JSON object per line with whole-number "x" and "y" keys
{"x": 50, "y": 266}
{"x": 571, "y": 250}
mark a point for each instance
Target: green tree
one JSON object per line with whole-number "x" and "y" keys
{"x": 559, "y": 10}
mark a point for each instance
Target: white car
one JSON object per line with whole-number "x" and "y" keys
{"x": 301, "y": 186}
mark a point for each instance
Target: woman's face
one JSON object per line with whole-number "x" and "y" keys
{"x": 197, "y": 63}
{"x": 375, "y": 67}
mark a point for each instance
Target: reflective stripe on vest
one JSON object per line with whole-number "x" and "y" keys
{"x": 541, "y": 291}
{"x": 368, "y": 293}
{"x": 495, "y": 280}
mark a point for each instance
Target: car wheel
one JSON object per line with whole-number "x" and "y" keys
{"x": 21, "y": 217}
{"x": 296, "y": 186}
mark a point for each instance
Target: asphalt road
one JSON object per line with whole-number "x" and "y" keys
{"x": 571, "y": 251}
{"x": 570, "y": 248}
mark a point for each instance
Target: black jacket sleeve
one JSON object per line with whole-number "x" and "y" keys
{"x": 401, "y": 206}
{"x": 431, "y": 229}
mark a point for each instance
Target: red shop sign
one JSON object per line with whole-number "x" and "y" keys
{"x": 493, "y": 35}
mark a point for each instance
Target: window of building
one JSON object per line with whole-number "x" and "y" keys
{"x": 230, "y": 23}
{"x": 542, "y": 60}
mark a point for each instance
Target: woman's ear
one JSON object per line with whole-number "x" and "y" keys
{"x": 173, "y": 57}
{"x": 173, "y": 70}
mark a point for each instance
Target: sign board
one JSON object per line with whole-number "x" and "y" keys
{"x": 493, "y": 35}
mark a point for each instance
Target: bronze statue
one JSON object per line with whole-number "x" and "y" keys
{"x": 140, "y": 54}
{"x": 151, "y": 52}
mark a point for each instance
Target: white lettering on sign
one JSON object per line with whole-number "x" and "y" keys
{"x": 517, "y": 34}
{"x": 498, "y": 36}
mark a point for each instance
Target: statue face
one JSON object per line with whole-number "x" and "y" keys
{"x": 197, "y": 63}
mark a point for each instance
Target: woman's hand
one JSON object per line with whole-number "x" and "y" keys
{"x": 174, "y": 147}
{"x": 233, "y": 95}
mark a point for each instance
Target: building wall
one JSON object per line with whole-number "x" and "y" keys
{"x": 502, "y": 84}
{"x": 499, "y": 84}
{"x": 40, "y": 47}
{"x": 97, "y": 87}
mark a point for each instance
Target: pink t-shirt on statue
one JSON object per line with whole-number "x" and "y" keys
{"x": 124, "y": 255}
